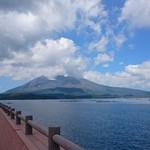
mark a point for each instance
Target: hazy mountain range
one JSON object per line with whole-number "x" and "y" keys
{"x": 68, "y": 87}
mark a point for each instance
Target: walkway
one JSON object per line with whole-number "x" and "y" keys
{"x": 12, "y": 136}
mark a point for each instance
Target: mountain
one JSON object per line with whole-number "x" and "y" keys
{"x": 68, "y": 87}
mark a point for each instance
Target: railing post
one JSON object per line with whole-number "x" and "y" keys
{"x": 8, "y": 111}
{"x": 5, "y": 108}
{"x": 12, "y": 116}
{"x": 51, "y": 132}
{"x": 18, "y": 120}
{"x": 28, "y": 128}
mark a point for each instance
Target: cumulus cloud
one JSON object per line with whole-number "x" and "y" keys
{"x": 19, "y": 30}
{"x": 24, "y": 23}
{"x": 16, "y": 30}
{"x": 136, "y": 13}
{"x": 141, "y": 71}
{"x": 50, "y": 57}
{"x": 133, "y": 76}
{"x": 30, "y": 41}
{"x": 52, "y": 52}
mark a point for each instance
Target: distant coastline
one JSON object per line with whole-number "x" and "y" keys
{"x": 30, "y": 96}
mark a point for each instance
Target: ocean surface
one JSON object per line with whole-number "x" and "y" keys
{"x": 111, "y": 124}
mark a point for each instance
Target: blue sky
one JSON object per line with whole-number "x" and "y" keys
{"x": 105, "y": 41}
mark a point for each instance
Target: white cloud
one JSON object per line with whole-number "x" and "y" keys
{"x": 94, "y": 26}
{"x": 119, "y": 40}
{"x": 100, "y": 46}
{"x": 136, "y": 13}
{"x": 91, "y": 8}
{"x": 141, "y": 71}
{"x": 20, "y": 30}
{"x": 50, "y": 57}
{"x": 52, "y": 52}
{"x": 104, "y": 59}
{"x": 102, "y": 49}
{"x": 14, "y": 23}
{"x": 90, "y": 14}
{"x": 134, "y": 76}
{"x": 27, "y": 47}
{"x": 110, "y": 38}
{"x": 16, "y": 30}
{"x": 54, "y": 16}
{"x": 22, "y": 25}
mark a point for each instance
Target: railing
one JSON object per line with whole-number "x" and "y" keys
{"x": 55, "y": 140}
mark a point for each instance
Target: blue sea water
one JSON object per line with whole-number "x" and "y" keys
{"x": 112, "y": 124}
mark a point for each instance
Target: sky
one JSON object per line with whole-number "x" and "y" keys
{"x": 105, "y": 41}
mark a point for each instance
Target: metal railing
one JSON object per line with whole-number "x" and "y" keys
{"x": 55, "y": 140}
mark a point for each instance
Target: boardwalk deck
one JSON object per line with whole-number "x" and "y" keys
{"x": 12, "y": 136}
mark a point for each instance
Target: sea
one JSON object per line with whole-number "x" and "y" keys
{"x": 94, "y": 124}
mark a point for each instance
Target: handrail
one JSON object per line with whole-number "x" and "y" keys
{"x": 21, "y": 117}
{"x": 55, "y": 140}
{"x": 14, "y": 112}
{"x": 38, "y": 128}
{"x": 66, "y": 144}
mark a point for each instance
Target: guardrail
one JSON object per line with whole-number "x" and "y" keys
{"x": 55, "y": 140}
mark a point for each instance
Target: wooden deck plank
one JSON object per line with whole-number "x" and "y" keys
{"x": 13, "y": 137}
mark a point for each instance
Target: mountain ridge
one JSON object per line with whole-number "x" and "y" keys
{"x": 69, "y": 87}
